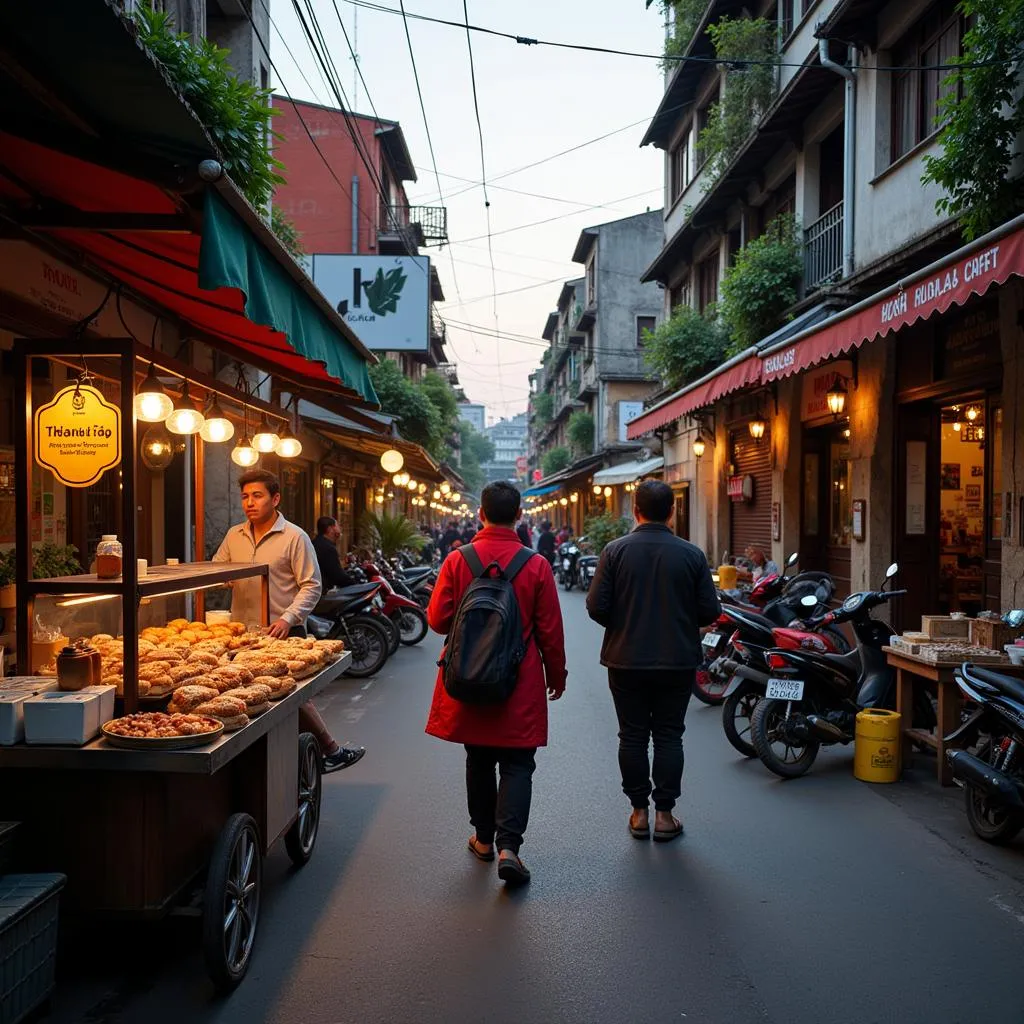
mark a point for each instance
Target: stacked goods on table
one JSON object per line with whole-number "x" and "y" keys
{"x": 951, "y": 639}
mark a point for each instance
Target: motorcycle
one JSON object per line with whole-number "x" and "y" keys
{"x": 565, "y": 561}
{"x": 347, "y": 613}
{"x": 774, "y": 601}
{"x": 993, "y": 776}
{"x": 813, "y": 698}
{"x": 407, "y": 617}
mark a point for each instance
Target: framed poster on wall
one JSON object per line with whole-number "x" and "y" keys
{"x": 776, "y": 521}
{"x": 917, "y": 462}
{"x": 860, "y": 506}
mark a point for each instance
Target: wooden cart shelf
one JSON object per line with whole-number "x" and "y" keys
{"x": 99, "y": 755}
{"x": 159, "y": 580}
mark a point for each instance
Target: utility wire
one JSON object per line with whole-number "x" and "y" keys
{"x": 430, "y": 141}
{"x": 673, "y": 59}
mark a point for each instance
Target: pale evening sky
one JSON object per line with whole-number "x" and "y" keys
{"x": 534, "y": 102}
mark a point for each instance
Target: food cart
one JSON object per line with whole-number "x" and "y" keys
{"x": 135, "y": 823}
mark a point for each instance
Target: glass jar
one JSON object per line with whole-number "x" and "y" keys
{"x": 109, "y": 557}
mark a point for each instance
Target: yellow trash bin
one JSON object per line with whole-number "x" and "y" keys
{"x": 876, "y": 752}
{"x": 727, "y": 577}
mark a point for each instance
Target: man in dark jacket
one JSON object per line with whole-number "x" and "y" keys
{"x": 523, "y": 533}
{"x": 546, "y": 542}
{"x": 325, "y": 544}
{"x": 652, "y": 592}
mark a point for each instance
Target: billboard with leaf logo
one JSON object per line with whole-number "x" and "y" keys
{"x": 384, "y": 299}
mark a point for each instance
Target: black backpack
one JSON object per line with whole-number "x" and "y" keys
{"x": 485, "y": 645}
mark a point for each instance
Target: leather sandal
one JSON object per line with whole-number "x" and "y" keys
{"x": 513, "y": 871}
{"x": 480, "y": 850}
{"x": 635, "y": 831}
{"x": 666, "y": 835}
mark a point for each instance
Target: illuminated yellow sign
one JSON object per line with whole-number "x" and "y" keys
{"x": 78, "y": 435}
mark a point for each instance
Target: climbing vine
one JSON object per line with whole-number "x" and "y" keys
{"x": 747, "y": 90}
{"x": 982, "y": 119}
{"x": 683, "y": 16}
{"x": 685, "y": 346}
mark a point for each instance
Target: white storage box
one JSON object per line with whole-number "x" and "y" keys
{"x": 106, "y": 696}
{"x": 62, "y": 718}
{"x": 12, "y": 699}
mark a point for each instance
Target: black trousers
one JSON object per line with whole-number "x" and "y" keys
{"x": 502, "y": 807}
{"x": 651, "y": 706}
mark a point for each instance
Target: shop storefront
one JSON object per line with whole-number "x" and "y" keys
{"x": 749, "y": 487}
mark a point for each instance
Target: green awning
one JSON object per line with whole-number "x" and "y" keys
{"x": 231, "y": 256}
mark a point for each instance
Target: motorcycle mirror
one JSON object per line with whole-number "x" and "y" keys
{"x": 892, "y": 570}
{"x": 809, "y": 601}
{"x": 792, "y": 560}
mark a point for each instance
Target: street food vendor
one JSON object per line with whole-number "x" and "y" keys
{"x": 761, "y": 565}
{"x": 294, "y": 584}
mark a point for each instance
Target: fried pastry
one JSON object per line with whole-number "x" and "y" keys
{"x": 279, "y": 686}
{"x": 188, "y": 697}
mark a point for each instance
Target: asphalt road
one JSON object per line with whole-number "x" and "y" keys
{"x": 819, "y": 900}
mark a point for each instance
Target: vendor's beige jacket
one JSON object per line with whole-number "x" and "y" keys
{"x": 295, "y": 583}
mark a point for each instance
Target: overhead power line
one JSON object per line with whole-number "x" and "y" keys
{"x": 523, "y": 40}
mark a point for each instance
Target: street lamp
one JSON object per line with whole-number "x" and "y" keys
{"x": 756, "y": 427}
{"x": 698, "y": 447}
{"x": 836, "y": 398}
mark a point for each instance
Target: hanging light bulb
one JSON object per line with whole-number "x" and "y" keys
{"x": 157, "y": 447}
{"x": 422, "y": 488}
{"x": 216, "y": 428}
{"x": 265, "y": 439}
{"x": 152, "y": 403}
{"x": 436, "y": 495}
{"x": 392, "y": 461}
{"x": 597, "y": 488}
{"x": 288, "y": 445}
{"x": 446, "y": 488}
{"x": 456, "y": 497}
{"x": 244, "y": 455}
{"x": 185, "y": 418}
{"x": 574, "y": 497}
{"x": 410, "y": 485}
{"x": 607, "y": 492}
{"x": 972, "y": 413}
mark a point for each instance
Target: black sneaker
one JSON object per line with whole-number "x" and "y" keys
{"x": 343, "y": 757}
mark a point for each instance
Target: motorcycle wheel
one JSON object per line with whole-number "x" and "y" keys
{"x": 736, "y": 714}
{"x": 567, "y": 581}
{"x": 706, "y": 688}
{"x": 391, "y": 631}
{"x": 995, "y": 823}
{"x": 787, "y": 760}
{"x": 412, "y": 625}
{"x": 369, "y": 646}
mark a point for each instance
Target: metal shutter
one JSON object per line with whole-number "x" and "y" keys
{"x": 751, "y": 521}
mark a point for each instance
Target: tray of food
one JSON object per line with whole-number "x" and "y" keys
{"x": 154, "y": 730}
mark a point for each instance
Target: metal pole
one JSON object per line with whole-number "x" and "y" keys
{"x": 355, "y": 213}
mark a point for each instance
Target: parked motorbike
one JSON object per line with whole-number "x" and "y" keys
{"x": 419, "y": 581}
{"x": 993, "y": 776}
{"x": 408, "y": 618}
{"x": 774, "y": 601}
{"x": 348, "y": 613}
{"x": 565, "y": 563}
{"x": 813, "y": 698}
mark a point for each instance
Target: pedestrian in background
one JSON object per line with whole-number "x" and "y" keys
{"x": 523, "y": 533}
{"x": 502, "y": 736}
{"x": 652, "y": 591}
{"x": 546, "y": 542}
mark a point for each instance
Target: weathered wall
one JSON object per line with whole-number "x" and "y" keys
{"x": 1011, "y": 310}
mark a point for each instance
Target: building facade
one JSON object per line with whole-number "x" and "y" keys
{"x": 475, "y": 414}
{"x": 509, "y": 439}
{"x": 874, "y": 423}
{"x": 593, "y": 379}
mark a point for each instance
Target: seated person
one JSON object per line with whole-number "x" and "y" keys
{"x": 762, "y": 566}
{"x": 325, "y": 544}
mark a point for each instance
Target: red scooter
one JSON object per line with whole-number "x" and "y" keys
{"x": 407, "y": 617}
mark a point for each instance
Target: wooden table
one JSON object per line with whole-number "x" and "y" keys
{"x": 907, "y": 669}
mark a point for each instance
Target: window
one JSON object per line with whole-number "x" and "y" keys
{"x": 707, "y": 282}
{"x": 934, "y": 41}
{"x": 789, "y": 12}
{"x": 644, "y": 323}
{"x": 592, "y": 281}
{"x": 679, "y": 295}
{"x": 701, "y": 122}
{"x": 681, "y": 171}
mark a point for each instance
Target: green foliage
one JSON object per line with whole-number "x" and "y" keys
{"x": 747, "y": 92}
{"x": 762, "y": 282}
{"x": 685, "y": 346}
{"x": 384, "y": 291}
{"x": 49, "y": 560}
{"x": 476, "y": 448}
{"x": 602, "y": 530}
{"x": 427, "y": 411}
{"x": 580, "y": 431}
{"x": 685, "y": 16}
{"x": 7, "y": 568}
{"x": 544, "y": 407}
{"x": 391, "y": 533}
{"x": 556, "y": 459}
{"x": 234, "y": 112}
{"x": 983, "y": 119}
{"x": 286, "y": 232}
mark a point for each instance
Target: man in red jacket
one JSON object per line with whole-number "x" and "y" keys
{"x": 503, "y": 736}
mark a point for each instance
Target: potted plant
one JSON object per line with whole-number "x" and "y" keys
{"x": 8, "y": 592}
{"x": 49, "y": 560}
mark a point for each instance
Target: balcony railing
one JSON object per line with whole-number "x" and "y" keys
{"x": 823, "y": 249}
{"x": 588, "y": 380}
{"x": 428, "y": 224}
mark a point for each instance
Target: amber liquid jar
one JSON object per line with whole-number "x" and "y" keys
{"x": 109, "y": 557}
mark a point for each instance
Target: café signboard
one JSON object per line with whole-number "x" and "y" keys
{"x": 78, "y": 435}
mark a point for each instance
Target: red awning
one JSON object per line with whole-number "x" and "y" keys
{"x": 160, "y": 262}
{"x": 698, "y": 395}
{"x": 971, "y": 271}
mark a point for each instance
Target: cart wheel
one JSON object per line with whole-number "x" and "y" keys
{"x": 231, "y": 902}
{"x": 300, "y": 839}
